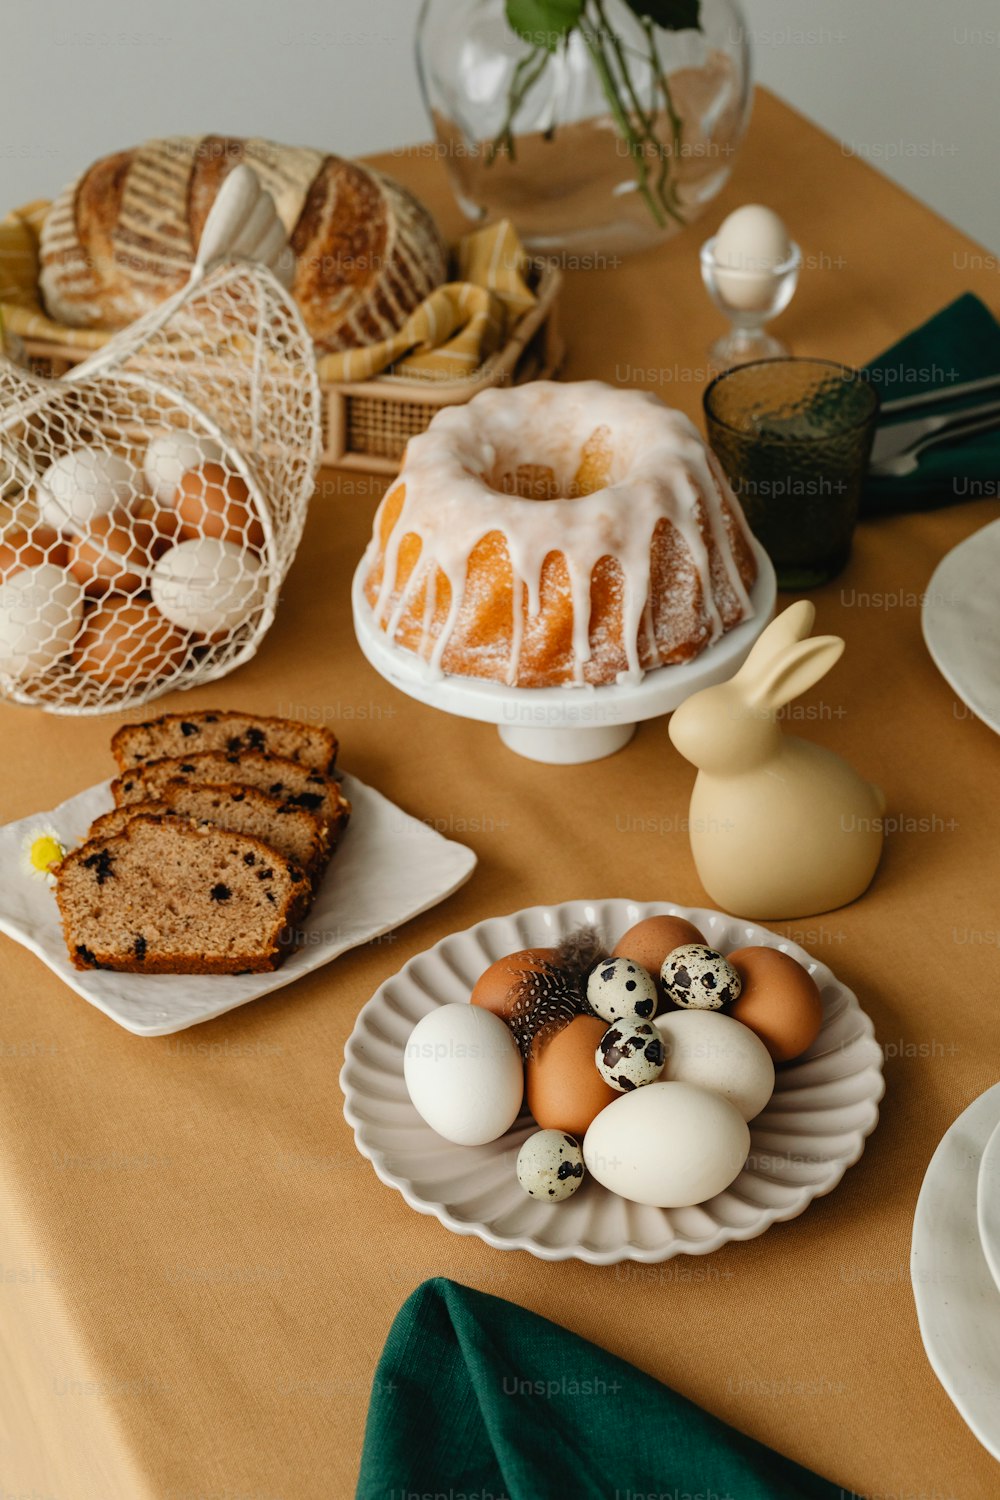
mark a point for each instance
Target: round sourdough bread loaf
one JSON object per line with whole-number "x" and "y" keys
{"x": 122, "y": 237}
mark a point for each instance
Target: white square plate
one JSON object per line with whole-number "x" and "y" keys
{"x": 389, "y": 867}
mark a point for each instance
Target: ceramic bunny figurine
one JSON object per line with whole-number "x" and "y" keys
{"x": 779, "y": 826}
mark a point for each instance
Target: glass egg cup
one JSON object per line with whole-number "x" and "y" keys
{"x": 749, "y": 296}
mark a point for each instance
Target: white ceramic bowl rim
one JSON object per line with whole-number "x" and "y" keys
{"x": 797, "y": 1154}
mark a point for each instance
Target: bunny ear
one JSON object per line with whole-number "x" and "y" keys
{"x": 793, "y": 624}
{"x": 795, "y": 671}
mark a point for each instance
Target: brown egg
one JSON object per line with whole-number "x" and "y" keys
{"x": 165, "y": 522}
{"x": 212, "y": 502}
{"x": 649, "y": 942}
{"x": 780, "y": 1001}
{"x": 493, "y": 988}
{"x": 29, "y": 547}
{"x": 133, "y": 545}
{"x": 128, "y": 641}
{"x": 564, "y": 1089}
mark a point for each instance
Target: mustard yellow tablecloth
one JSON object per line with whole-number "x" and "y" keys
{"x": 199, "y": 1270}
{"x": 449, "y": 336}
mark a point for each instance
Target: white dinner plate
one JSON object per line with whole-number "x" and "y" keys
{"x": 388, "y": 868}
{"x": 961, "y": 622}
{"x": 814, "y": 1128}
{"x": 958, "y": 1304}
{"x": 988, "y": 1204}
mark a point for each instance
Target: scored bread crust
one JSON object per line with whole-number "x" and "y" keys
{"x": 266, "y": 957}
{"x": 223, "y": 729}
{"x": 122, "y": 237}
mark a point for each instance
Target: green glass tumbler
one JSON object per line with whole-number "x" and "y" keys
{"x": 794, "y": 437}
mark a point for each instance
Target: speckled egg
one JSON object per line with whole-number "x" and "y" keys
{"x": 699, "y": 978}
{"x": 619, "y": 987}
{"x": 550, "y": 1165}
{"x": 630, "y": 1054}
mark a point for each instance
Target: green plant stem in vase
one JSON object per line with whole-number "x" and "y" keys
{"x": 593, "y": 124}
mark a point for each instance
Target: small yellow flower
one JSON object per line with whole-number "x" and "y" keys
{"x": 42, "y": 848}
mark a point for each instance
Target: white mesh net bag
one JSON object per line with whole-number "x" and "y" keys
{"x": 151, "y": 500}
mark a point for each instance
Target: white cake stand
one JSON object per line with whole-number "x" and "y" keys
{"x": 565, "y": 726}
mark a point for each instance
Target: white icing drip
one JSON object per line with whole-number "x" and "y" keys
{"x": 702, "y": 557}
{"x": 579, "y": 587}
{"x": 659, "y": 467}
{"x": 720, "y": 485}
{"x": 517, "y": 636}
{"x": 430, "y": 605}
{"x": 714, "y": 483}
{"x": 636, "y": 601}
{"x": 441, "y": 644}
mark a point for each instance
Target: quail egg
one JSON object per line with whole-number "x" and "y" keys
{"x": 618, "y": 987}
{"x": 550, "y": 1165}
{"x": 630, "y": 1054}
{"x": 698, "y": 978}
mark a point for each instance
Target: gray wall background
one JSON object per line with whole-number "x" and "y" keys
{"x": 911, "y": 85}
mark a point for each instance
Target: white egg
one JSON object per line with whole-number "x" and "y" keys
{"x": 207, "y": 586}
{"x": 668, "y": 1144}
{"x": 86, "y": 483}
{"x": 464, "y": 1074}
{"x": 718, "y": 1053}
{"x": 41, "y": 610}
{"x": 172, "y": 454}
{"x": 751, "y": 242}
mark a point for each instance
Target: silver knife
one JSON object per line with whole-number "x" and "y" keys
{"x": 940, "y": 393}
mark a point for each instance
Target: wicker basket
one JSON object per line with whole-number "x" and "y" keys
{"x": 366, "y": 425}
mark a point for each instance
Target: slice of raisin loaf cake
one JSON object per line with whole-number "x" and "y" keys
{"x": 165, "y": 897}
{"x": 286, "y": 780}
{"x": 218, "y": 729}
{"x": 296, "y": 833}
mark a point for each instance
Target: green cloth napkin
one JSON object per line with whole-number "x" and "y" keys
{"x": 476, "y": 1397}
{"x": 961, "y": 342}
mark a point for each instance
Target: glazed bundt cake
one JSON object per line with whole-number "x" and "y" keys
{"x": 555, "y": 534}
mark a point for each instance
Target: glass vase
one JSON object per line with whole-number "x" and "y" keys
{"x": 580, "y": 174}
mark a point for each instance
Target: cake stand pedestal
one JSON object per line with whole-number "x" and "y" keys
{"x": 565, "y": 726}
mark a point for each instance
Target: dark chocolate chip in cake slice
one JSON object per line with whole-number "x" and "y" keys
{"x": 216, "y": 729}
{"x": 286, "y": 780}
{"x": 200, "y": 908}
{"x": 300, "y": 836}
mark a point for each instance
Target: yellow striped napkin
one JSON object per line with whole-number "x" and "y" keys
{"x": 447, "y": 337}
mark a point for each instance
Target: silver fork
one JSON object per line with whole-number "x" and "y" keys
{"x": 900, "y": 464}
{"x": 902, "y": 436}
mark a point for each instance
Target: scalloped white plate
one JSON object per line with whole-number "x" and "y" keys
{"x": 961, "y": 623}
{"x": 988, "y": 1204}
{"x": 958, "y": 1304}
{"x": 814, "y": 1128}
